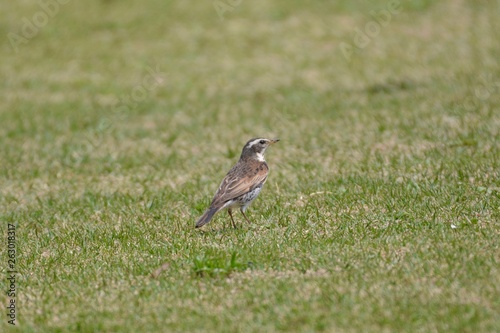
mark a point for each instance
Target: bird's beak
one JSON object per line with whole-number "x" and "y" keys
{"x": 272, "y": 141}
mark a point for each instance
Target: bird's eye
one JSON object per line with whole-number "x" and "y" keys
{"x": 262, "y": 142}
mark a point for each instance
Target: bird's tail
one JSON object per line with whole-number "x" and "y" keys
{"x": 206, "y": 217}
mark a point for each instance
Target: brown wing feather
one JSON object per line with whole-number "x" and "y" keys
{"x": 233, "y": 185}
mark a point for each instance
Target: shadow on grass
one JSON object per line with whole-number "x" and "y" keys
{"x": 216, "y": 266}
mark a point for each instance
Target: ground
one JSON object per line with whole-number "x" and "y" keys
{"x": 382, "y": 207}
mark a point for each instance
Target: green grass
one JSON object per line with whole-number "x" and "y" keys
{"x": 381, "y": 212}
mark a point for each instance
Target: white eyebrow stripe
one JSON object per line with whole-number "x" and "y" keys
{"x": 253, "y": 142}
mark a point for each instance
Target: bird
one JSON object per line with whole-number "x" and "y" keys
{"x": 243, "y": 183}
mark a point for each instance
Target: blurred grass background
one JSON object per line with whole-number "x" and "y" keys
{"x": 120, "y": 118}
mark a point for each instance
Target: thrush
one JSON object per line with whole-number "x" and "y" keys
{"x": 242, "y": 183}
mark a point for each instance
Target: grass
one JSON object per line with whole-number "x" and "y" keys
{"x": 381, "y": 212}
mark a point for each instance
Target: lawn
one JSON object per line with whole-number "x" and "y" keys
{"x": 381, "y": 212}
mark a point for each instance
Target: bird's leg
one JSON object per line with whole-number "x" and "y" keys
{"x": 246, "y": 218}
{"x": 231, "y": 215}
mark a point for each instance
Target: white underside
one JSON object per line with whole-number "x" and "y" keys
{"x": 245, "y": 201}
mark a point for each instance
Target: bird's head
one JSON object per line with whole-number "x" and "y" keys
{"x": 256, "y": 147}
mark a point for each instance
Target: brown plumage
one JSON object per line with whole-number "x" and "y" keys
{"x": 242, "y": 183}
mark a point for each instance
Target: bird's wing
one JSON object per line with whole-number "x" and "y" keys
{"x": 234, "y": 185}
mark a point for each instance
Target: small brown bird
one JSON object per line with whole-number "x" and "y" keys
{"x": 242, "y": 183}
